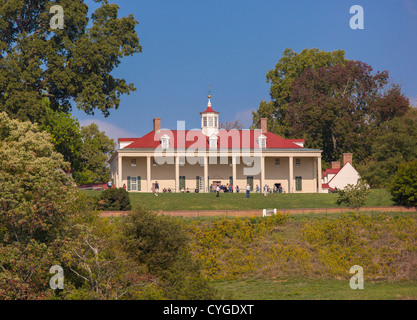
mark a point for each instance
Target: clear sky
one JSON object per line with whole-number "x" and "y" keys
{"x": 232, "y": 44}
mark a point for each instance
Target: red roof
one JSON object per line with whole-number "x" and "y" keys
{"x": 233, "y": 139}
{"x": 326, "y": 186}
{"x": 209, "y": 109}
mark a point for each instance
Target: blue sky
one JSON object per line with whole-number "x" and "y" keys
{"x": 232, "y": 44}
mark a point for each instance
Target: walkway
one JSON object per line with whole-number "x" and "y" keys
{"x": 258, "y": 212}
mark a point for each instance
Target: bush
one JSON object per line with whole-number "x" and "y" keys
{"x": 404, "y": 185}
{"x": 354, "y": 196}
{"x": 114, "y": 199}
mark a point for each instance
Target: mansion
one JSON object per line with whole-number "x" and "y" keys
{"x": 199, "y": 159}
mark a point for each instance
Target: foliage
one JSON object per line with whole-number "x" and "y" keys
{"x": 94, "y": 154}
{"x": 162, "y": 243}
{"x": 66, "y": 135}
{"x": 339, "y": 108}
{"x": 73, "y": 63}
{"x": 395, "y": 143}
{"x": 114, "y": 199}
{"x": 404, "y": 184}
{"x": 290, "y": 67}
{"x": 354, "y": 196}
{"x": 36, "y": 198}
{"x": 228, "y": 248}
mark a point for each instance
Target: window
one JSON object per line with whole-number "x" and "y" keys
{"x": 262, "y": 142}
{"x": 182, "y": 183}
{"x": 230, "y": 181}
{"x": 298, "y": 183}
{"x": 133, "y": 183}
{"x": 215, "y": 122}
{"x": 133, "y": 162}
{"x": 213, "y": 142}
{"x": 210, "y": 121}
{"x": 297, "y": 162}
{"x": 165, "y": 141}
{"x": 204, "y": 121}
{"x": 277, "y": 162}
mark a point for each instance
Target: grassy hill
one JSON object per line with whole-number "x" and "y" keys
{"x": 238, "y": 201}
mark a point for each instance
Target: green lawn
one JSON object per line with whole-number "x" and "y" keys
{"x": 238, "y": 201}
{"x": 314, "y": 289}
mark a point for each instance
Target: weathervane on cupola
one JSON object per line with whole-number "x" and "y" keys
{"x": 209, "y": 118}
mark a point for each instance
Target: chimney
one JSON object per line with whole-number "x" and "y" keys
{"x": 335, "y": 165}
{"x": 156, "y": 124}
{"x": 264, "y": 125}
{"x": 347, "y": 157}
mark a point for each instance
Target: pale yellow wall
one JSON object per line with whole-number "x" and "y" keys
{"x": 165, "y": 174}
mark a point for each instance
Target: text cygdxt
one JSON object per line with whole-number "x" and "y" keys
{"x": 357, "y": 21}
{"x": 230, "y": 309}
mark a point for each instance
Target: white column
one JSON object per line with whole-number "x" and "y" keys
{"x": 119, "y": 183}
{"x": 291, "y": 175}
{"x": 315, "y": 174}
{"x": 319, "y": 174}
{"x": 206, "y": 174}
{"x": 262, "y": 172}
{"x": 234, "y": 171}
{"x": 148, "y": 173}
{"x": 177, "y": 174}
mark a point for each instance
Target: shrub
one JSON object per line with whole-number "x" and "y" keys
{"x": 114, "y": 199}
{"x": 404, "y": 185}
{"x": 354, "y": 196}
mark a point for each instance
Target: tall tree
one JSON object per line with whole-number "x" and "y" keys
{"x": 95, "y": 152}
{"x": 289, "y": 68}
{"x": 395, "y": 143}
{"x": 70, "y": 64}
{"x": 231, "y": 125}
{"x": 339, "y": 108}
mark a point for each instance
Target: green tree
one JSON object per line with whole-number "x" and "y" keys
{"x": 396, "y": 142}
{"x": 340, "y": 108}
{"x": 163, "y": 244}
{"x": 354, "y": 196}
{"x": 66, "y": 135}
{"x": 289, "y": 68}
{"x": 70, "y": 64}
{"x": 36, "y": 201}
{"x": 95, "y": 152}
{"x": 404, "y": 184}
{"x": 114, "y": 199}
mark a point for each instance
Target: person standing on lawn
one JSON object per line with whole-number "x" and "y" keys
{"x": 247, "y": 190}
{"x": 156, "y": 188}
{"x": 218, "y": 191}
{"x": 265, "y": 190}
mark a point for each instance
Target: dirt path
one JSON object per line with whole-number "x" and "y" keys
{"x": 258, "y": 212}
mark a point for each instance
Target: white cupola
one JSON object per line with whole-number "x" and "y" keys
{"x": 209, "y": 120}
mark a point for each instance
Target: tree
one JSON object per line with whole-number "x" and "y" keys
{"x": 340, "y": 108}
{"x": 289, "y": 68}
{"x": 36, "y": 197}
{"x": 114, "y": 199}
{"x": 404, "y": 184}
{"x": 354, "y": 196}
{"x": 66, "y": 135}
{"x": 94, "y": 154}
{"x": 395, "y": 143}
{"x": 231, "y": 125}
{"x": 70, "y": 64}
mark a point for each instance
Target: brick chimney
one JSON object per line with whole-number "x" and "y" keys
{"x": 156, "y": 124}
{"x": 264, "y": 125}
{"x": 335, "y": 165}
{"x": 347, "y": 157}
